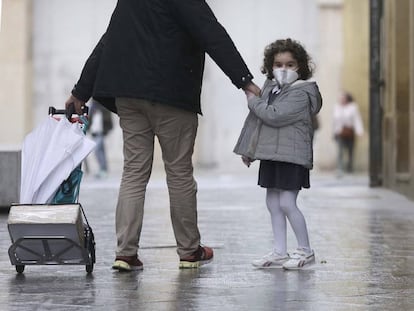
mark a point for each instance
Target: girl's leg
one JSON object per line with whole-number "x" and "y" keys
{"x": 295, "y": 216}
{"x": 278, "y": 218}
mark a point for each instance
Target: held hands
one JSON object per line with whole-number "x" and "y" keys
{"x": 249, "y": 94}
{"x": 247, "y": 161}
{"x": 251, "y": 90}
{"x": 79, "y": 104}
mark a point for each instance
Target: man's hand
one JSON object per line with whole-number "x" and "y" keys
{"x": 252, "y": 88}
{"x": 78, "y": 104}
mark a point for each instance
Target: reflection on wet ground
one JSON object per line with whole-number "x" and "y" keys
{"x": 362, "y": 238}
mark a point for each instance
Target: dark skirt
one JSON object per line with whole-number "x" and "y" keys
{"x": 283, "y": 175}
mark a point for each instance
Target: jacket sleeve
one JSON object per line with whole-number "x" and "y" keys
{"x": 84, "y": 87}
{"x": 199, "y": 21}
{"x": 292, "y": 109}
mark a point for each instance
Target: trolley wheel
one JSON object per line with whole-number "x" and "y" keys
{"x": 19, "y": 268}
{"x": 89, "y": 265}
{"x": 90, "y": 244}
{"x": 89, "y": 268}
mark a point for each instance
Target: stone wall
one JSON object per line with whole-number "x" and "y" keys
{"x": 59, "y": 35}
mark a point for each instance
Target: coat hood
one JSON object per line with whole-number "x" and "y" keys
{"x": 311, "y": 88}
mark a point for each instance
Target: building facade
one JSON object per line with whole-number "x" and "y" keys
{"x": 379, "y": 67}
{"x": 43, "y": 51}
{"x": 395, "y": 85}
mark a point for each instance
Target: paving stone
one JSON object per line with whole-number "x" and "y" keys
{"x": 362, "y": 239}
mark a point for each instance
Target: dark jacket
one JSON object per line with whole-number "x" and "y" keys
{"x": 154, "y": 50}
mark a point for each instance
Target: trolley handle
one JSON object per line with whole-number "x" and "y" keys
{"x": 67, "y": 112}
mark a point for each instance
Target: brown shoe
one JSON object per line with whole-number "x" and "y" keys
{"x": 202, "y": 256}
{"x": 127, "y": 263}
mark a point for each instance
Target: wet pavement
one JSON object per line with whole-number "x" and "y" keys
{"x": 362, "y": 237}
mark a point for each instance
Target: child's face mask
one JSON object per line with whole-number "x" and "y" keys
{"x": 285, "y": 76}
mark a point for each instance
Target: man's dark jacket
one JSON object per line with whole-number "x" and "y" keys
{"x": 154, "y": 50}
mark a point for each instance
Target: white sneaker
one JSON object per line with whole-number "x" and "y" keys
{"x": 271, "y": 260}
{"x": 298, "y": 259}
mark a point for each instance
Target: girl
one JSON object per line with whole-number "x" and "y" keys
{"x": 278, "y": 132}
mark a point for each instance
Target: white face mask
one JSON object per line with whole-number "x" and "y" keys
{"x": 285, "y": 76}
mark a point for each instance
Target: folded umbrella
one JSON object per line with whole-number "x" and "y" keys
{"x": 33, "y": 148}
{"x": 49, "y": 154}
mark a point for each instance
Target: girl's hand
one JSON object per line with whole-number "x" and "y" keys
{"x": 252, "y": 88}
{"x": 247, "y": 161}
{"x": 249, "y": 94}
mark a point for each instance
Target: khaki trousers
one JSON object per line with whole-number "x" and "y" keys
{"x": 176, "y": 129}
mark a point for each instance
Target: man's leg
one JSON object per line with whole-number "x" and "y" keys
{"x": 176, "y": 131}
{"x": 138, "y": 138}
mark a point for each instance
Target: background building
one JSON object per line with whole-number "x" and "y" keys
{"x": 44, "y": 44}
{"x": 392, "y": 93}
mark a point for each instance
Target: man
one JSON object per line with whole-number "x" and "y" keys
{"x": 148, "y": 68}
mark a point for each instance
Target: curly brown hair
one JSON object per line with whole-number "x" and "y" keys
{"x": 298, "y": 52}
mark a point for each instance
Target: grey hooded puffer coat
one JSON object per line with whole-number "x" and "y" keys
{"x": 281, "y": 130}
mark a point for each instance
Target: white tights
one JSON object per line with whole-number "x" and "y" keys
{"x": 281, "y": 205}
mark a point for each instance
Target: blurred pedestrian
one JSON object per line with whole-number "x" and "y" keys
{"x": 148, "y": 67}
{"x": 278, "y": 131}
{"x": 100, "y": 126}
{"x": 347, "y": 124}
